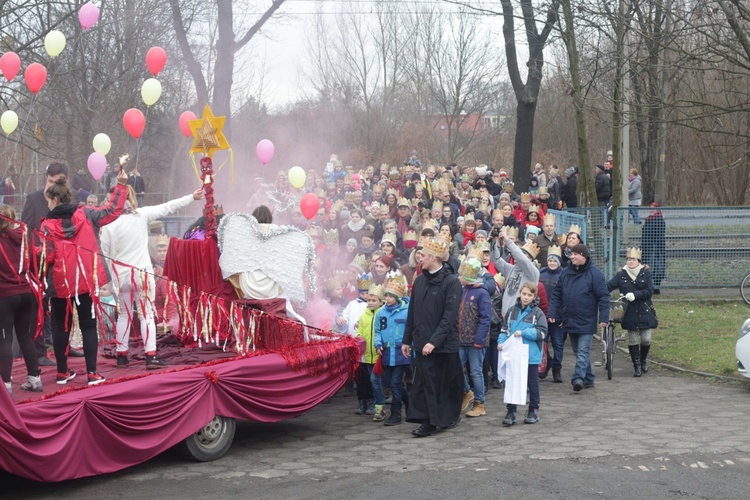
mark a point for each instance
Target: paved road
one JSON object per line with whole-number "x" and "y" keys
{"x": 662, "y": 435}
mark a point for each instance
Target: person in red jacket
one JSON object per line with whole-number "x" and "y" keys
{"x": 75, "y": 270}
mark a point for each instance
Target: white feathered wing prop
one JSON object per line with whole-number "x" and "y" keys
{"x": 284, "y": 253}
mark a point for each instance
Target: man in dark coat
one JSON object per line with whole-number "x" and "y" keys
{"x": 580, "y": 291}
{"x": 432, "y": 329}
{"x": 603, "y": 186}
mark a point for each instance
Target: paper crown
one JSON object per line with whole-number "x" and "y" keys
{"x": 508, "y": 186}
{"x": 469, "y": 217}
{"x": 395, "y": 284}
{"x": 574, "y": 228}
{"x": 388, "y": 238}
{"x": 482, "y": 246}
{"x": 534, "y": 209}
{"x": 384, "y": 166}
{"x": 532, "y": 249}
{"x": 313, "y": 231}
{"x": 500, "y": 280}
{"x": 349, "y": 196}
{"x": 376, "y": 290}
{"x": 364, "y": 282}
{"x": 392, "y": 191}
{"x": 331, "y": 236}
{"x": 549, "y": 219}
{"x": 360, "y": 262}
{"x": 466, "y": 178}
{"x": 410, "y": 239}
{"x": 525, "y": 197}
{"x": 434, "y": 246}
{"x": 483, "y": 207}
{"x": 349, "y": 167}
{"x": 475, "y": 193}
{"x": 497, "y": 213}
{"x": 510, "y": 231}
{"x": 554, "y": 250}
{"x": 543, "y": 190}
{"x": 394, "y": 174}
{"x": 634, "y": 253}
{"x": 473, "y": 252}
{"x": 330, "y": 185}
{"x": 337, "y": 205}
{"x": 437, "y": 204}
{"x": 469, "y": 269}
{"x": 403, "y": 202}
{"x": 162, "y": 240}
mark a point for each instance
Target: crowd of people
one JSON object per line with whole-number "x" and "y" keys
{"x": 441, "y": 270}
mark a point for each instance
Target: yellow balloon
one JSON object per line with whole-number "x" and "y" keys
{"x": 151, "y": 91}
{"x": 102, "y": 144}
{"x": 9, "y": 121}
{"x": 297, "y": 177}
{"x": 54, "y": 43}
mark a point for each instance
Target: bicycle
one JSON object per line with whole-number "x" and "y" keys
{"x": 745, "y": 289}
{"x": 609, "y": 340}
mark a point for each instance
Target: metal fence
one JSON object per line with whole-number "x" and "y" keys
{"x": 595, "y": 234}
{"x": 689, "y": 247}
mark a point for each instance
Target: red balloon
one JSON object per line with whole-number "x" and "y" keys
{"x": 134, "y": 122}
{"x": 309, "y": 205}
{"x": 185, "y": 117}
{"x": 156, "y": 58}
{"x": 36, "y": 77}
{"x": 10, "y": 65}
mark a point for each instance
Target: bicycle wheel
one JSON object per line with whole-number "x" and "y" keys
{"x": 610, "y": 334}
{"x": 745, "y": 289}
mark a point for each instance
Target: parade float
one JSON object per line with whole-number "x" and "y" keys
{"x": 229, "y": 358}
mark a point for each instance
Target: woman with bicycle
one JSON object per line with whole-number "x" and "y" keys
{"x": 635, "y": 283}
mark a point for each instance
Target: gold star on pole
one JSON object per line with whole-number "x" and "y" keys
{"x": 207, "y": 133}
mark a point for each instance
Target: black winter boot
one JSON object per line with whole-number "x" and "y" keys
{"x": 635, "y": 355}
{"x": 644, "y": 353}
{"x": 556, "y": 374}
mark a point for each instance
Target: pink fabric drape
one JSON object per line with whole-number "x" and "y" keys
{"x": 107, "y": 428}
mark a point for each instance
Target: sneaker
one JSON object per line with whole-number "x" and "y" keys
{"x": 532, "y": 417}
{"x": 62, "y": 378}
{"x": 370, "y": 407}
{"x": 379, "y": 414}
{"x": 154, "y": 363}
{"x": 588, "y": 385}
{"x": 578, "y": 385}
{"x": 122, "y": 360}
{"x": 477, "y": 410}
{"x": 361, "y": 407}
{"x": 510, "y": 419}
{"x": 94, "y": 378}
{"x": 393, "y": 419}
{"x": 45, "y": 361}
{"x": 468, "y": 399}
{"x": 33, "y": 384}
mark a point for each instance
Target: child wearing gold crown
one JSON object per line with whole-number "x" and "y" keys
{"x": 390, "y": 322}
{"x": 474, "y": 318}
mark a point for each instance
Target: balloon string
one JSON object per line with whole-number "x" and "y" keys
{"x": 138, "y": 141}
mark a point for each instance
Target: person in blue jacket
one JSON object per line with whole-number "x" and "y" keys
{"x": 579, "y": 293}
{"x": 390, "y": 322}
{"x": 526, "y": 319}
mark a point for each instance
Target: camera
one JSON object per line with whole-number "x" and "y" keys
{"x": 495, "y": 232}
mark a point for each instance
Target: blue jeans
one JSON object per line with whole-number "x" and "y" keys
{"x": 395, "y": 374}
{"x": 533, "y": 386}
{"x": 581, "y": 343}
{"x": 475, "y": 358}
{"x": 557, "y": 339}
{"x": 634, "y": 214}
{"x": 377, "y": 386}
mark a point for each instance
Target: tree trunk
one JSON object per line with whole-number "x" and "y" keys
{"x": 224, "y": 67}
{"x": 524, "y": 144}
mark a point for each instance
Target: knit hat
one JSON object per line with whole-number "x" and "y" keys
{"x": 156, "y": 226}
{"x": 388, "y": 238}
{"x": 469, "y": 269}
{"x": 580, "y": 249}
{"x": 481, "y": 232}
{"x": 481, "y": 170}
{"x": 570, "y": 171}
{"x": 351, "y": 241}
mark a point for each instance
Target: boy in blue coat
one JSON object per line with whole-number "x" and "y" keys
{"x": 474, "y": 319}
{"x": 526, "y": 319}
{"x": 390, "y": 322}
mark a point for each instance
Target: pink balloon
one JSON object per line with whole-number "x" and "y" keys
{"x": 10, "y": 65}
{"x": 185, "y": 117}
{"x": 156, "y": 58}
{"x": 265, "y": 151}
{"x": 309, "y": 205}
{"x": 134, "y": 122}
{"x": 97, "y": 164}
{"x": 36, "y": 77}
{"x": 88, "y": 15}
